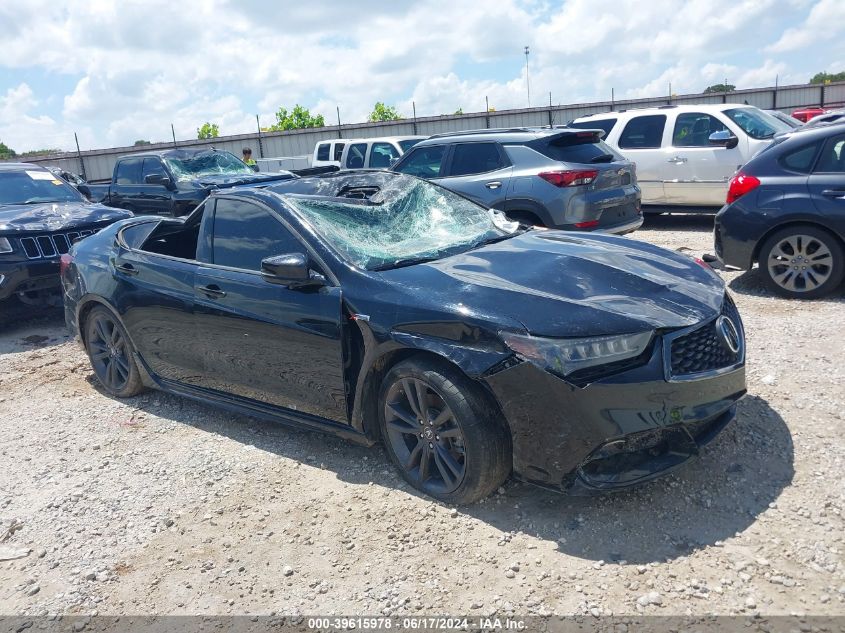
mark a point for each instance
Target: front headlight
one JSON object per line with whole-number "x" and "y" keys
{"x": 565, "y": 356}
{"x": 5, "y": 245}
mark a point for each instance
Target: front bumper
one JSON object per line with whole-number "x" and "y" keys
{"x": 613, "y": 433}
{"x": 29, "y": 276}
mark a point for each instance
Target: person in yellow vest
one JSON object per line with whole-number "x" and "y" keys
{"x": 248, "y": 157}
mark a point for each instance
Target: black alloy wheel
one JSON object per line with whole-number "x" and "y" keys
{"x": 110, "y": 352}
{"x": 443, "y": 432}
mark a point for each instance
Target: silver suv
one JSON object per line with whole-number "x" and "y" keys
{"x": 555, "y": 177}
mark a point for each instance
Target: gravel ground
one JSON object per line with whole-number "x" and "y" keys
{"x": 158, "y": 505}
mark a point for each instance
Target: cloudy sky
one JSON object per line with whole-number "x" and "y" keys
{"x": 119, "y": 71}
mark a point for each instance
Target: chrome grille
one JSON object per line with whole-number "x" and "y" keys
{"x": 51, "y": 245}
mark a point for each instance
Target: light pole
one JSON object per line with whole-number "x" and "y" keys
{"x": 527, "y": 81}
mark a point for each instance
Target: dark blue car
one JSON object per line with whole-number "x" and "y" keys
{"x": 786, "y": 213}
{"x": 382, "y": 307}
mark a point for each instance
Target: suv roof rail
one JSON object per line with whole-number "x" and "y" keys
{"x": 661, "y": 107}
{"x": 502, "y": 130}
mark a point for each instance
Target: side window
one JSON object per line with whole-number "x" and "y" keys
{"x": 423, "y": 162}
{"x": 643, "y": 132}
{"x": 381, "y": 153}
{"x": 129, "y": 172}
{"x": 833, "y": 156}
{"x": 245, "y": 233}
{"x": 355, "y": 155}
{"x": 338, "y": 150}
{"x": 801, "y": 159}
{"x": 693, "y": 129}
{"x": 475, "y": 158}
{"x": 598, "y": 124}
{"x": 323, "y": 151}
{"x": 152, "y": 166}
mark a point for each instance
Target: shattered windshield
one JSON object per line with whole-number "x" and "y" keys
{"x": 406, "y": 222}
{"x": 210, "y": 163}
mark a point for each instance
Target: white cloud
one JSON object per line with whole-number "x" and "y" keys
{"x": 140, "y": 66}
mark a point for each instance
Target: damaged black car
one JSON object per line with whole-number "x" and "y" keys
{"x": 385, "y": 308}
{"x": 41, "y": 215}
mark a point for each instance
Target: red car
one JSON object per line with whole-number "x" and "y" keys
{"x": 805, "y": 114}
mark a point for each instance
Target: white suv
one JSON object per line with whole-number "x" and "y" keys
{"x": 686, "y": 154}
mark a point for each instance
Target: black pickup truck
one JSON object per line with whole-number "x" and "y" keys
{"x": 173, "y": 182}
{"x": 41, "y": 215}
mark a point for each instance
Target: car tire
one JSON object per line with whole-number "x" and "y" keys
{"x": 111, "y": 353}
{"x": 456, "y": 446}
{"x": 802, "y": 262}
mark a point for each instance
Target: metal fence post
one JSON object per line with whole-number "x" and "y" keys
{"x": 821, "y": 96}
{"x": 260, "y": 144}
{"x": 551, "y": 118}
{"x": 173, "y": 132}
{"x": 487, "y": 112}
{"x": 79, "y": 155}
{"x": 414, "y": 106}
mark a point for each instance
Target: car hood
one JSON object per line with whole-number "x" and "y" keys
{"x": 55, "y": 216}
{"x": 560, "y": 284}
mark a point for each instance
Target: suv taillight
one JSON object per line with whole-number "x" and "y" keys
{"x": 740, "y": 185}
{"x": 570, "y": 177}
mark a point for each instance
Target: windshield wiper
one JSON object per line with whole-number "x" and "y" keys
{"x": 38, "y": 201}
{"x": 408, "y": 261}
{"x": 498, "y": 238}
{"x": 602, "y": 158}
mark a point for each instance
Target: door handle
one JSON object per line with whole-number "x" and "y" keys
{"x": 677, "y": 160}
{"x": 127, "y": 269}
{"x": 493, "y": 185}
{"x": 834, "y": 193}
{"x": 212, "y": 291}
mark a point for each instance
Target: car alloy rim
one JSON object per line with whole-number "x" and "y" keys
{"x": 800, "y": 263}
{"x": 109, "y": 353}
{"x": 425, "y": 436}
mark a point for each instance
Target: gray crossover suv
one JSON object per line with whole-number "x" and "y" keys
{"x": 555, "y": 177}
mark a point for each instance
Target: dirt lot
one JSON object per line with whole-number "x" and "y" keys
{"x": 160, "y": 505}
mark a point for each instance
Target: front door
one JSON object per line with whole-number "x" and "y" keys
{"x": 263, "y": 341}
{"x": 697, "y": 173}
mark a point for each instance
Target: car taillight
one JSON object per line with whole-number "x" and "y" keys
{"x": 64, "y": 263}
{"x": 740, "y": 185}
{"x": 586, "y": 225}
{"x": 569, "y": 177}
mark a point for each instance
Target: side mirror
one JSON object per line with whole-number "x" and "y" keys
{"x": 292, "y": 270}
{"x": 723, "y": 138}
{"x": 157, "y": 179}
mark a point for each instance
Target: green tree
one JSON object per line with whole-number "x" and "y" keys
{"x": 297, "y": 119}
{"x": 826, "y": 78}
{"x": 143, "y": 142}
{"x": 383, "y": 112}
{"x": 459, "y": 111}
{"x": 719, "y": 88}
{"x": 41, "y": 152}
{"x": 208, "y": 130}
{"x": 6, "y": 151}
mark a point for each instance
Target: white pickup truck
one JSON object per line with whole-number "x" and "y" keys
{"x": 686, "y": 154}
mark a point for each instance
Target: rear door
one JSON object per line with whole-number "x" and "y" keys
{"x": 827, "y": 183}
{"x": 263, "y": 341}
{"x": 155, "y": 295}
{"x": 641, "y": 141}
{"x": 480, "y": 171}
{"x": 697, "y": 173}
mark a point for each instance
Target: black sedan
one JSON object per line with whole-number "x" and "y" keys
{"x": 41, "y": 215}
{"x": 382, "y": 307}
{"x": 786, "y": 212}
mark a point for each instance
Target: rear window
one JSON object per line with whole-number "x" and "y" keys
{"x": 643, "y": 132}
{"x": 338, "y": 150}
{"x": 408, "y": 143}
{"x": 595, "y": 124}
{"x": 801, "y": 159}
{"x": 576, "y": 148}
{"x": 355, "y": 155}
{"x": 323, "y": 150}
